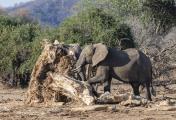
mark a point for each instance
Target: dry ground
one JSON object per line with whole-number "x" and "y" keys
{"x": 12, "y": 107}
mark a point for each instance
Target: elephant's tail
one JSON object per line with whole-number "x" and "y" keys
{"x": 152, "y": 90}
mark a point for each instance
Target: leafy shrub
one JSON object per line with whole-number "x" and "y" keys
{"x": 161, "y": 12}
{"x": 20, "y": 46}
{"x": 92, "y": 26}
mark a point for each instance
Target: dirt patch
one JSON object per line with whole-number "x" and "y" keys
{"x": 13, "y": 107}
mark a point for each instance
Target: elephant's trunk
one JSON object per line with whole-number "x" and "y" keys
{"x": 80, "y": 68}
{"x": 82, "y": 75}
{"x": 77, "y": 69}
{"x": 81, "y": 72}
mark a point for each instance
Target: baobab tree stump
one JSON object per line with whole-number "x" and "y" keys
{"x": 52, "y": 79}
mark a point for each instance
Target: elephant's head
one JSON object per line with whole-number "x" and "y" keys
{"x": 74, "y": 50}
{"x": 91, "y": 54}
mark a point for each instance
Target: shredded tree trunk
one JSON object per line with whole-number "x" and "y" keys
{"x": 49, "y": 82}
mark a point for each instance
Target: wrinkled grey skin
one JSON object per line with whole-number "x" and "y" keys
{"x": 71, "y": 49}
{"x": 130, "y": 66}
{"x": 75, "y": 50}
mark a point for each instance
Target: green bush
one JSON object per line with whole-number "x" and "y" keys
{"x": 94, "y": 25}
{"x": 20, "y": 45}
{"x": 161, "y": 12}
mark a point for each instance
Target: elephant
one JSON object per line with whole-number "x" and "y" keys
{"x": 74, "y": 50}
{"x": 70, "y": 49}
{"x": 129, "y": 66}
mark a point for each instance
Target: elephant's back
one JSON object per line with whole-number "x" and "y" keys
{"x": 139, "y": 55}
{"x": 132, "y": 53}
{"x": 145, "y": 66}
{"x": 134, "y": 66}
{"x": 142, "y": 63}
{"x": 145, "y": 63}
{"x": 145, "y": 60}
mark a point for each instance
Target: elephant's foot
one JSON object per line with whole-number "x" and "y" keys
{"x": 95, "y": 93}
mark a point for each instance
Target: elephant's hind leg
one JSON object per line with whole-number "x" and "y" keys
{"x": 148, "y": 93}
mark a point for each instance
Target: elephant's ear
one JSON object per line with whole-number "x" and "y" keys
{"x": 101, "y": 51}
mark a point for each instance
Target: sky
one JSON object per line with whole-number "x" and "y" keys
{"x": 10, "y": 3}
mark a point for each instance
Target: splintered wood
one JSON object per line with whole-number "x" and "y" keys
{"x": 73, "y": 89}
{"x": 48, "y": 82}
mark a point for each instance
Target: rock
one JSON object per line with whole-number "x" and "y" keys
{"x": 124, "y": 99}
{"x": 168, "y": 102}
{"x": 113, "y": 108}
{"x": 172, "y": 102}
{"x": 144, "y": 101}
{"x": 90, "y": 108}
{"x": 5, "y": 109}
{"x": 126, "y": 103}
{"x": 164, "y": 106}
{"x": 170, "y": 96}
{"x": 172, "y": 87}
{"x": 58, "y": 104}
{"x": 121, "y": 97}
{"x": 55, "y": 110}
{"x": 135, "y": 101}
{"x": 108, "y": 98}
{"x": 167, "y": 108}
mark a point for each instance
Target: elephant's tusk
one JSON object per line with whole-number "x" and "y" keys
{"x": 76, "y": 69}
{"x": 73, "y": 79}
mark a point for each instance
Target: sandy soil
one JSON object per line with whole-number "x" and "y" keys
{"x": 12, "y": 107}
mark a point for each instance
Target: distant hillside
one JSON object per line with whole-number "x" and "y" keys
{"x": 50, "y": 12}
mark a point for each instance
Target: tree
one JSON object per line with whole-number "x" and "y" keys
{"x": 94, "y": 25}
{"x": 20, "y": 46}
{"x": 161, "y": 12}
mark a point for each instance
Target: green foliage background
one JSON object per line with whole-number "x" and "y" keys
{"x": 94, "y": 24}
{"x": 93, "y": 21}
{"x": 19, "y": 38}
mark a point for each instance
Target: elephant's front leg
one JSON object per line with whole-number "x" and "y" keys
{"x": 102, "y": 76}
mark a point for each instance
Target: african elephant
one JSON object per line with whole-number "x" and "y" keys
{"x": 75, "y": 50}
{"x": 70, "y": 49}
{"x": 129, "y": 66}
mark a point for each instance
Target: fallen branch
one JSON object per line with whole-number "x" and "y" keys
{"x": 78, "y": 91}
